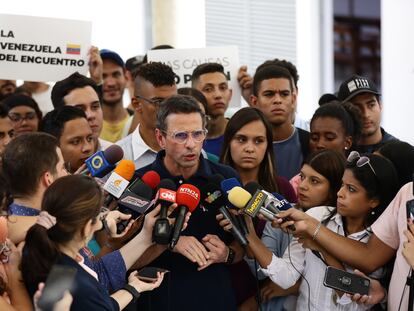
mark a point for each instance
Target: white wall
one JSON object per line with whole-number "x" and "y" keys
{"x": 314, "y": 50}
{"x": 118, "y": 25}
{"x": 397, "y": 64}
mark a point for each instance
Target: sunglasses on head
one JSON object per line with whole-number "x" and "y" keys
{"x": 360, "y": 160}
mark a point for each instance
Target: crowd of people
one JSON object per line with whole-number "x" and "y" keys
{"x": 349, "y": 185}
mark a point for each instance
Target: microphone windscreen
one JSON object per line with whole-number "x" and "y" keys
{"x": 113, "y": 154}
{"x": 167, "y": 183}
{"x": 230, "y": 183}
{"x": 125, "y": 169}
{"x": 252, "y": 187}
{"x": 151, "y": 178}
{"x": 188, "y": 195}
{"x": 142, "y": 190}
{"x": 239, "y": 197}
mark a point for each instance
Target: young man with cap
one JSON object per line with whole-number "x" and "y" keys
{"x": 116, "y": 119}
{"x": 210, "y": 79}
{"x": 363, "y": 93}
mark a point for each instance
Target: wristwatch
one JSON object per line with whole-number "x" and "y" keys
{"x": 230, "y": 256}
{"x": 130, "y": 289}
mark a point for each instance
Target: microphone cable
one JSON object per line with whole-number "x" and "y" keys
{"x": 405, "y": 287}
{"x": 258, "y": 293}
{"x": 303, "y": 277}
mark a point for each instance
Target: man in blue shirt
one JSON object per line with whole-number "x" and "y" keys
{"x": 273, "y": 94}
{"x": 199, "y": 278}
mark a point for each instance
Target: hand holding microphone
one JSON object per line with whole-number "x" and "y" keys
{"x": 187, "y": 198}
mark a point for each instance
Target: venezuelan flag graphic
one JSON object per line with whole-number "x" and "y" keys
{"x": 73, "y": 49}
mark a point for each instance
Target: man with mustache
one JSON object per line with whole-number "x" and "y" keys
{"x": 364, "y": 94}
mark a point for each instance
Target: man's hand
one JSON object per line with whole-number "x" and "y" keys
{"x": 190, "y": 247}
{"x": 95, "y": 65}
{"x": 408, "y": 246}
{"x": 218, "y": 251}
{"x": 270, "y": 290}
{"x": 246, "y": 83}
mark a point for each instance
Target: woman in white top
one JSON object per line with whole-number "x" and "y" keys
{"x": 368, "y": 185}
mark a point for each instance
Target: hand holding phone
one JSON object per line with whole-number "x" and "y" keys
{"x": 149, "y": 274}
{"x": 59, "y": 280}
{"x": 345, "y": 281}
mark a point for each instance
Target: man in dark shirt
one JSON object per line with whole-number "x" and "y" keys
{"x": 199, "y": 278}
{"x": 363, "y": 93}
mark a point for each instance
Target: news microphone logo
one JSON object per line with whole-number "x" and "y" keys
{"x": 188, "y": 191}
{"x": 211, "y": 197}
{"x": 255, "y": 203}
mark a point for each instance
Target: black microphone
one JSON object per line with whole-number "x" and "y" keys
{"x": 215, "y": 196}
{"x": 165, "y": 196}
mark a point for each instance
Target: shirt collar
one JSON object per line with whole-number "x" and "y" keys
{"x": 21, "y": 210}
{"x": 203, "y": 170}
{"x": 355, "y": 236}
{"x": 139, "y": 147}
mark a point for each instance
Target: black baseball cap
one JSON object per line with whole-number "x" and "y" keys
{"x": 108, "y": 54}
{"x": 355, "y": 85}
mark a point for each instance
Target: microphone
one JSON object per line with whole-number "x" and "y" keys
{"x": 252, "y": 205}
{"x": 215, "y": 197}
{"x": 137, "y": 197}
{"x": 102, "y": 162}
{"x": 165, "y": 196}
{"x": 187, "y": 198}
{"x": 120, "y": 177}
{"x": 226, "y": 186}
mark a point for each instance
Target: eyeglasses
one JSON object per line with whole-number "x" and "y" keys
{"x": 182, "y": 137}
{"x": 354, "y": 155}
{"x": 156, "y": 101}
{"x": 17, "y": 117}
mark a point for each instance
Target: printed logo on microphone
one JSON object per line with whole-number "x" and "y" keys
{"x": 255, "y": 203}
{"x": 97, "y": 162}
{"x": 211, "y": 197}
{"x": 188, "y": 191}
{"x": 167, "y": 195}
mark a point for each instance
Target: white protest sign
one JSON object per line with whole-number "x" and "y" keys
{"x": 42, "y": 49}
{"x": 183, "y": 62}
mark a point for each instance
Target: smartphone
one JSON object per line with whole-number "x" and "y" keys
{"x": 410, "y": 209}
{"x": 60, "y": 279}
{"x": 149, "y": 274}
{"x": 345, "y": 281}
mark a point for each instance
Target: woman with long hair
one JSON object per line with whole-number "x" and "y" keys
{"x": 69, "y": 218}
{"x": 368, "y": 186}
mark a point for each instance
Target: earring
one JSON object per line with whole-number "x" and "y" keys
{"x": 373, "y": 213}
{"x": 346, "y": 148}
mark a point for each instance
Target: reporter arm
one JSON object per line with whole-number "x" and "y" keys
{"x": 137, "y": 247}
{"x": 18, "y": 296}
{"x": 149, "y": 255}
{"x": 122, "y": 297}
{"x": 367, "y": 257}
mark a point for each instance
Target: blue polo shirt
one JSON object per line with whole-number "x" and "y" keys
{"x": 186, "y": 288}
